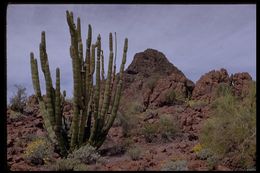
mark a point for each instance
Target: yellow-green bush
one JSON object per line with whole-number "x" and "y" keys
{"x": 38, "y": 151}
{"x": 197, "y": 148}
{"x": 231, "y": 129}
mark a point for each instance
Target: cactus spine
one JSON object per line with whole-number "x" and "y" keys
{"x": 94, "y": 105}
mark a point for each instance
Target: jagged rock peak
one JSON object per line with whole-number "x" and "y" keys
{"x": 151, "y": 62}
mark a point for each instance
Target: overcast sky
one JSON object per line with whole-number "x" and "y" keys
{"x": 195, "y": 38}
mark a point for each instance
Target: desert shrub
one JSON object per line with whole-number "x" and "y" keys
{"x": 223, "y": 89}
{"x": 151, "y": 82}
{"x": 204, "y": 153}
{"x": 197, "y": 148}
{"x": 149, "y": 131}
{"x": 68, "y": 165}
{"x": 86, "y": 154}
{"x": 127, "y": 142}
{"x": 170, "y": 97}
{"x": 18, "y": 100}
{"x": 196, "y": 103}
{"x": 168, "y": 127}
{"x": 178, "y": 165}
{"x": 127, "y": 117}
{"x": 173, "y": 97}
{"x": 231, "y": 129}
{"x": 134, "y": 153}
{"x": 212, "y": 161}
{"x": 127, "y": 121}
{"x": 80, "y": 167}
{"x": 38, "y": 151}
{"x": 15, "y": 116}
{"x": 136, "y": 107}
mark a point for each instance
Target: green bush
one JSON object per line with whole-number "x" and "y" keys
{"x": 231, "y": 129}
{"x": 18, "y": 100}
{"x": 134, "y": 153}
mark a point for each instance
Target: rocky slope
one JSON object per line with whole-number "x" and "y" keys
{"x": 147, "y": 82}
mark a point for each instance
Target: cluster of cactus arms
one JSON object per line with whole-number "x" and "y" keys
{"x": 94, "y": 105}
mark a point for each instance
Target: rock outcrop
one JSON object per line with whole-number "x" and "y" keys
{"x": 151, "y": 76}
{"x": 208, "y": 83}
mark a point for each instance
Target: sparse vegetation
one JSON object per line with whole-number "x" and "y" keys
{"x": 197, "y": 148}
{"x": 149, "y": 131}
{"x": 174, "y": 97}
{"x": 235, "y": 120}
{"x": 18, "y": 100}
{"x": 134, "y": 153}
{"x": 15, "y": 116}
{"x": 86, "y": 154}
{"x": 178, "y": 165}
{"x": 168, "y": 127}
{"x": 68, "y": 165}
{"x": 151, "y": 82}
{"x": 196, "y": 103}
{"x": 170, "y": 97}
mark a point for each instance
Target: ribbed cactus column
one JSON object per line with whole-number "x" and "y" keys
{"x": 92, "y": 100}
{"x": 76, "y": 79}
{"x": 52, "y": 120}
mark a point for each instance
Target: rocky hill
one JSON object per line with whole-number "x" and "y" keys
{"x": 150, "y": 76}
{"x": 154, "y": 91}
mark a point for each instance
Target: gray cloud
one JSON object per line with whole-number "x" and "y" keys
{"x": 195, "y": 38}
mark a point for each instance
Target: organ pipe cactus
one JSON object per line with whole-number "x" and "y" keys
{"x": 94, "y": 106}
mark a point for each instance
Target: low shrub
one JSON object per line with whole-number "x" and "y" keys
{"x": 68, "y": 165}
{"x": 38, "y": 151}
{"x": 231, "y": 129}
{"x": 196, "y": 103}
{"x": 134, "y": 153}
{"x": 151, "y": 82}
{"x": 85, "y": 154}
{"x": 18, "y": 100}
{"x": 168, "y": 127}
{"x": 170, "y": 97}
{"x": 178, "y": 165}
{"x": 149, "y": 131}
{"x": 197, "y": 148}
